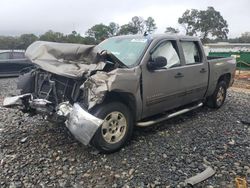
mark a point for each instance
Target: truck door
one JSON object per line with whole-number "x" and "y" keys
{"x": 162, "y": 89}
{"x": 196, "y": 71}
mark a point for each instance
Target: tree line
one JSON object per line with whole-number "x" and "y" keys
{"x": 207, "y": 24}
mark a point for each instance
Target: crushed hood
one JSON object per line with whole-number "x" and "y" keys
{"x": 70, "y": 60}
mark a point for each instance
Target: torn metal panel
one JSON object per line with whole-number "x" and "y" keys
{"x": 121, "y": 80}
{"x": 82, "y": 124}
{"x": 64, "y": 109}
{"x": 16, "y": 100}
{"x": 200, "y": 177}
{"x": 70, "y": 60}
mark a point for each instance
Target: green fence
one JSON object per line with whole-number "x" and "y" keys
{"x": 242, "y": 58}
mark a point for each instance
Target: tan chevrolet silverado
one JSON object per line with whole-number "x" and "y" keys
{"x": 101, "y": 92}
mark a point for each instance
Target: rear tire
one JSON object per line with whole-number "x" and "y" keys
{"x": 218, "y": 97}
{"x": 117, "y": 128}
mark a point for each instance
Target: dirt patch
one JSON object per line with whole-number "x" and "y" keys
{"x": 242, "y": 81}
{"x": 239, "y": 74}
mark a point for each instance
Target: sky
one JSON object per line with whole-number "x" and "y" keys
{"x": 38, "y": 16}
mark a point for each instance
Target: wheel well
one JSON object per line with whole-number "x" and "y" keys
{"x": 225, "y": 77}
{"x": 126, "y": 98}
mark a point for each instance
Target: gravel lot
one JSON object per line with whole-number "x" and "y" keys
{"x": 36, "y": 153}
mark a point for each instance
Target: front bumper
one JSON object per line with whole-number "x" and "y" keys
{"x": 81, "y": 123}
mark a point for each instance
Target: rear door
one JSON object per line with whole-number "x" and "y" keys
{"x": 162, "y": 89}
{"x": 196, "y": 71}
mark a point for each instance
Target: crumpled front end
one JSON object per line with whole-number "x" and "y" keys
{"x": 82, "y": 124}
{"x": 58, "y": 98}
{"x": 69, "y": 80}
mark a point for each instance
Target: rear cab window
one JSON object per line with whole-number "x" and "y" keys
{"x": 192, "y": 52}
{"x": 168, "y": 49}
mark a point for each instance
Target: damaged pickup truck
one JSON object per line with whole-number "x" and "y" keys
{"x": 101, "y": 92}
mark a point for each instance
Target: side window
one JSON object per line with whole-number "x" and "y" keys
{"x": 18, "y": 55}
{"x": 4, "y": 55}
{"x": 191, "y": 52}
{"x": 168, "y": 50}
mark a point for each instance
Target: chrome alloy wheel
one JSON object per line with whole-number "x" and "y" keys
{"x": 220, "y": 96}
{"x": 114, "y": 127}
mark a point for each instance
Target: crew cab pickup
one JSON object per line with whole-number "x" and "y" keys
{"x": 101, "y": 92}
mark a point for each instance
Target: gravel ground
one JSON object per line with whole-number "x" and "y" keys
{"x": 36, "y": 153}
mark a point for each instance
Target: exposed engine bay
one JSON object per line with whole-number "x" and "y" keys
{"x": 50, "y": 89}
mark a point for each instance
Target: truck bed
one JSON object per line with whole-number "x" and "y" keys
{"x": 220, "y": 66}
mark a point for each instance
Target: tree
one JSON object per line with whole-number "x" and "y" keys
{"x": 53, "y": 36}
{"x": 25, "y": 40}
{"x": 172, "y": 30}
{"x": 138, "y": 23}
{"x": 8, "y": 42}
{"x": 99, "y": 32}
{"x": 245, "y": 37}
{"x": 189, "y": 20}
{"x": 204, "y": 23}
{"x": 127, "y": 29}
{"x": 150, "y": 25}
{"x": 74, "y": 37}
{"x": 89, "y": 40}
{"x": 135, "y": 26}
{"x": 114, "y": 28}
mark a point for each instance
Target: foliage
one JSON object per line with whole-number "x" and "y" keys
{"x": 25, "y": 40}
{"x": 94, "y": 35}
{"x": 189, "y": 20}
{"x": 99, "y": 32}
{"x": 127, "y": 29}
{"x": 208, "y": 24}
{"x": 53, "y": 36}
{"x": 172, "y": 30}
{"x": 135, "y": 26}
{"x": 204, "y": 23}
{"x": 245, "y": 37}
{"x": 8, "y": 42}
{"x": 74, "y": 37}
{"x": 150, "y": 25}
{"x": 113, "y": 28}
{"x": 138, "y": 23}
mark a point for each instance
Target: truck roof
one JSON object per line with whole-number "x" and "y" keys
{"x": 161, "y": 36}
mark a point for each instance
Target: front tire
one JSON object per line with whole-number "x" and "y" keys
{"x": 219, "y": 96}
{"x": 117, "y": 128}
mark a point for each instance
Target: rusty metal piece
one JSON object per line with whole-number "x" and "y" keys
{"x": 240, "y": 182}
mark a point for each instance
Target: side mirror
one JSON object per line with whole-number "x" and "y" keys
{"x": 157, "y": 63}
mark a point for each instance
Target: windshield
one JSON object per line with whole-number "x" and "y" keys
{"x": 127, "y": 50}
